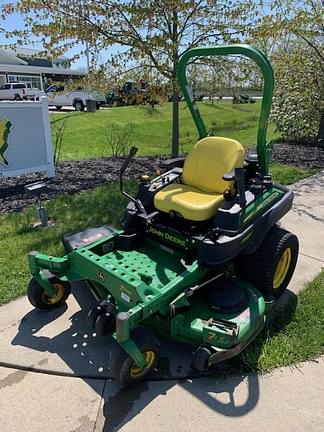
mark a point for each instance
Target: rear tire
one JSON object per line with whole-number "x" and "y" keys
{"x": 123, "y": 367}
{"x": 58, "y": 107}
{"x": 78, "y": 106}
{"x": 271, "y": 267}
{"x": 17, "y": 97}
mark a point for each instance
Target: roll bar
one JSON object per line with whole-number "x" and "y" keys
{"x": 264, "y": 148}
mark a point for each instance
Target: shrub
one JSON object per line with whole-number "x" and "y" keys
{"x": 298, "y": 99}
{"x": 119, "y": 138}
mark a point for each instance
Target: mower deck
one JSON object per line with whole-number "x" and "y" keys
{"x": 222, "y": 331}
{"x": 144, "y": 280}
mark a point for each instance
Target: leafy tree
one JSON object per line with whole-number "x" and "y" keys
{"x": 299, "y": 94}
{"x": 295, "y": 30}
{"x": 153, "y": 34}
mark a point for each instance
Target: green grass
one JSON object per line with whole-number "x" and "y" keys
{"x": 295, "y": 334}
{"x": 70, "y": 213}
{"x": 85, "y": 135}
{"x": 287, "y": 174}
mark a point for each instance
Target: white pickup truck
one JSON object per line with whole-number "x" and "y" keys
{"x": 59, "y": 97}
{"x": 19, "y": 91}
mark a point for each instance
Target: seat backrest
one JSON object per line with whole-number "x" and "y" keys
{"x": 209, "y": 160}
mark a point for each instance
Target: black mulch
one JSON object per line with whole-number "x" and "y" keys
{"x": 304, "y": 156}
{"x": 76, "y": 176}
{"x": 71, "y": 177}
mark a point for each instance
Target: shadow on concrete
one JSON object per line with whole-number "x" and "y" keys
{"x": 121, "y": 406}
{"x": 80, "y": 348}
{"x": 85, "y": 354}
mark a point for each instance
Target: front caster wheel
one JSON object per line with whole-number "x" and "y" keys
{"x": 102, "y": 318}
{"x": 122, "y": 366}
{"x": 200, "y": 360}
{"x": 38, "y": 297}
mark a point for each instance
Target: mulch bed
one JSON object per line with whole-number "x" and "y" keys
{"x": 71, "y": 177}
{"x": 76, "y": 176}
{"x": 303, "y": 156}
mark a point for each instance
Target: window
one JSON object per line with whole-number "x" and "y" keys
{"x": 54, "y": 89}
{"x": 5, "y": 87}
{"x": 19, "y": 86}
{"x": 33, "y": 80}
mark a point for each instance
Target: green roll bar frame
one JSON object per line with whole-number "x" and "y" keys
{"x": 264, "y": 148}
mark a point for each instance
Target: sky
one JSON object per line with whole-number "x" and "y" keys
{"x": 15, "y": 21}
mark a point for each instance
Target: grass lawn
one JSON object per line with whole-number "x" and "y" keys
{"x": 70, "y": 213}
{"x": 295, "y": 334}
{"x": 286, "y": 174}
{"x": 85, "y": 135}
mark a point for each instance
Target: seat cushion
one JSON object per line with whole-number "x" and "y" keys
{"x": 191, "y": 203}
{"x": 209, "y": 160}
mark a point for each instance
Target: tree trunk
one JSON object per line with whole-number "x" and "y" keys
{"x": 175, "y": 121}
{"x": 175, "y": 95}
{"x": 320, "y": 135}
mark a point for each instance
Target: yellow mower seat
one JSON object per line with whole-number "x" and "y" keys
{"x": 200, "y": 194}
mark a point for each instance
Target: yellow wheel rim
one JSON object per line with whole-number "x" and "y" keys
{"x": 136, "y": 371}
{"x": 57, "y": 297}
{"x": 282, "y": 268}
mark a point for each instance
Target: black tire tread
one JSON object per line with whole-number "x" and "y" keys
{"x": 35, "y": 291}
{"x": 258, "y": 268}
{"x": 200, "y": 360}
{"x": 120, "y": 361}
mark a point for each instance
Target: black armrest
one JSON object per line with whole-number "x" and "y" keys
{"x": 230, "y": 176}
{"x": 174, "y": 162}
{"x": 238, "y": 175}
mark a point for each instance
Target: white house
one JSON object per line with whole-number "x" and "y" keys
{"x": 27, "y": 65}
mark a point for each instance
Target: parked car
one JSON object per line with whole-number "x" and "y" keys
{"x": 19, "y": 91}
{"x": 198, "y": 95}
{"x": 33, "y": 93}
{"x": 242, "y": 99}
{"x": 59, "y": 97}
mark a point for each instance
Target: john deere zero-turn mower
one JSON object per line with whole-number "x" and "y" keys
{"x": 200, "y": 256}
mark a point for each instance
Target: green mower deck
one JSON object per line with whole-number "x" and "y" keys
{"x": 148, "y": 284}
